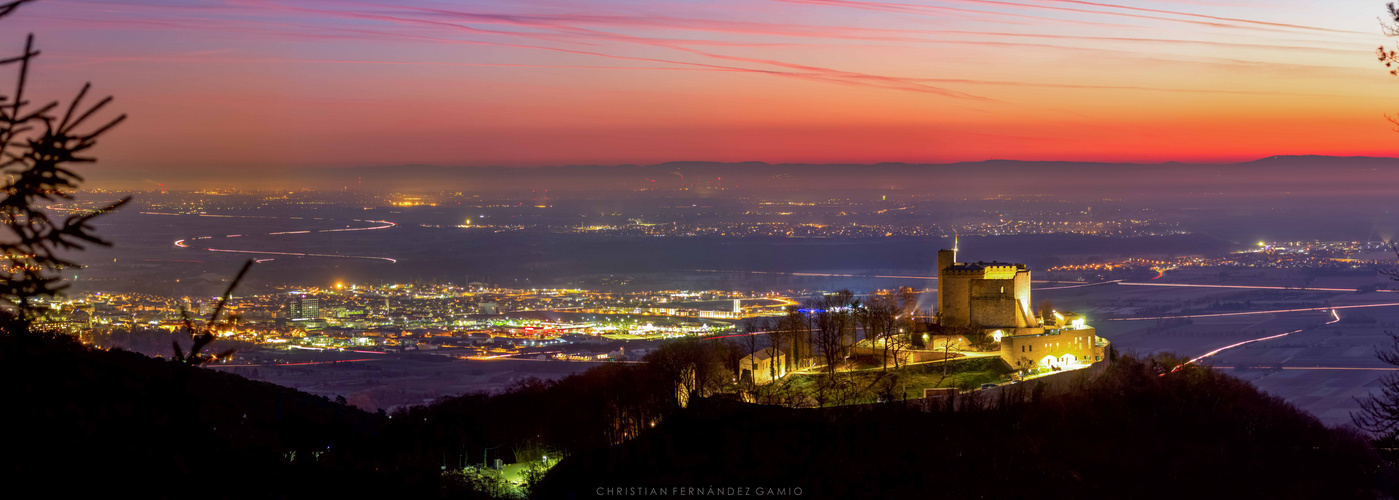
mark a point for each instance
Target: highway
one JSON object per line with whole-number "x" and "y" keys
{"x": 378, "y": 224}
{"x": 1334, "y": 319}
{"x": 1247, "y": 313}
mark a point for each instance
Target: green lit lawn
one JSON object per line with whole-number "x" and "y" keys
{"x": 866, "y": 384}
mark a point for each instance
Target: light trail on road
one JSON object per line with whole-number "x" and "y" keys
{"x": 1254, "y": 287}
{"x": 382, "y": 224}
{"x": 296, "y": 364}
{"x": 299, "y": 254}
{"x": 1246, "y": 313}
{"x": 732, "y": 335}
{"x": 1352, "y": 369}
{"x": 1334, "y": 318}
{"x": 748, "y": 334}
{"x": 1074, "y": 286}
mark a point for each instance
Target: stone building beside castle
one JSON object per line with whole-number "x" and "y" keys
{"x": 994, "y": 298}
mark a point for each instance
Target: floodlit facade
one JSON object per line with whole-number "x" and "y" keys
{"x": 985, "y": 294}
{"x": 771, "y": 364}
{"x": 994, "y": 298}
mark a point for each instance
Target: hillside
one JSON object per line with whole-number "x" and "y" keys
{"x": 1127, "y": 434}
{"x": 91, "y": 421}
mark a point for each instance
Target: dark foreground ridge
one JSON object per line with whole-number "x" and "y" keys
{"x": 1130, "y": 433}
{"x": 85, "y": 420}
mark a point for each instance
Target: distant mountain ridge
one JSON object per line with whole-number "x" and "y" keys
{"x": 1352, "y": 160}
{"x": 1018, "y": 175}
{"x": 737, "y": 167}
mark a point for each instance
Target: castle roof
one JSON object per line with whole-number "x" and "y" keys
{"x": 982, "y": 265}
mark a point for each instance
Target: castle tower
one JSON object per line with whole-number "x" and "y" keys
{"x": 985, "y": 294}
{"x": 946, "y": 259}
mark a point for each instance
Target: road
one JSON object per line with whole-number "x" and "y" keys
{"x": 191, "y": 241}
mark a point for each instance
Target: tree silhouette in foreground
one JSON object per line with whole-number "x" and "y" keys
{"x": 1389, "y": 25}
{"x": 201, "y": 337}
{"x": 38, "y": 145}
{"x": 1379, "y": 415}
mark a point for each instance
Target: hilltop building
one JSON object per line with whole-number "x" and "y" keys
{"x": 986, "y": 294}
{"x": 770, "y": 364}
{"x": 994, "y": 298}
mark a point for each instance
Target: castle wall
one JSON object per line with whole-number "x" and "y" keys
{"x": 957, "y": 305}
{"x": 1022, "y": 295}
{"x": 993, "y": 303}
{"x": 946, "y": 258}
{"x": 989, "y": 295}
{"x": 1022, "y": 351}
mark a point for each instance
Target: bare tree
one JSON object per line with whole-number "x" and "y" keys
{"x": 1379, "y": 414}
{"x": 796, "y": 336}
{"x": 908, "y": 314}
{"x": 834, "y": 325}
{"x": 834, "y": 389}
{"x": 38, "y": 145}
{"x": 751, "y": 339}
{"x": 779, "y": 394}
{"x": 883, "y": 321}
{"x": 846, "y": 389}
{"x": 946, "y": 342}
{"x": 1024, "y": 363}
{"x": 694, "y": 366}
{"x": 777, "y": 363}
{"x": 823, "y": 385}
{"x": 1389, "y": 25}
{"x": 898, "y": 342}
{"x": 888, "y": 387}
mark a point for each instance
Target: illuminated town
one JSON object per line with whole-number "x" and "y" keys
{"x": 846, "y": 249}
{"x": 471, "y": 322}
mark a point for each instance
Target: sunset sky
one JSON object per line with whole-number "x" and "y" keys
{"x": 285, "y": 83}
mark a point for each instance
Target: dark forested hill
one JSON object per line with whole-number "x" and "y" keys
{"x": 85, "y": 421}
{"x": 82, "y": 420}
{"x": 1128, "y": 434}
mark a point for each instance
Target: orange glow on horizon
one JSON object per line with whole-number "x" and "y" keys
{"x": 316, "y": 83}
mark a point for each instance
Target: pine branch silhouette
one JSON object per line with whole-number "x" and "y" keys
{"x": 205, "y": 335}
{"x": 37, "y": 149}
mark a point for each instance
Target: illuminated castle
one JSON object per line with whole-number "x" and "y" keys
{"x": 984, "y": 294}
{"x": 994, "y": 298}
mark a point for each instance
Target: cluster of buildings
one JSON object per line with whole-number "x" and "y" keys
{"x": 993, "y": 298}
{"x": 983, "y": 299}
{"x": 783, "y": 229}
{"x": 1337, "y": 256}
{"x": 476, "y": 321}
{"x": 481, "y": 321}
{"x": 1125, "y": 228}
